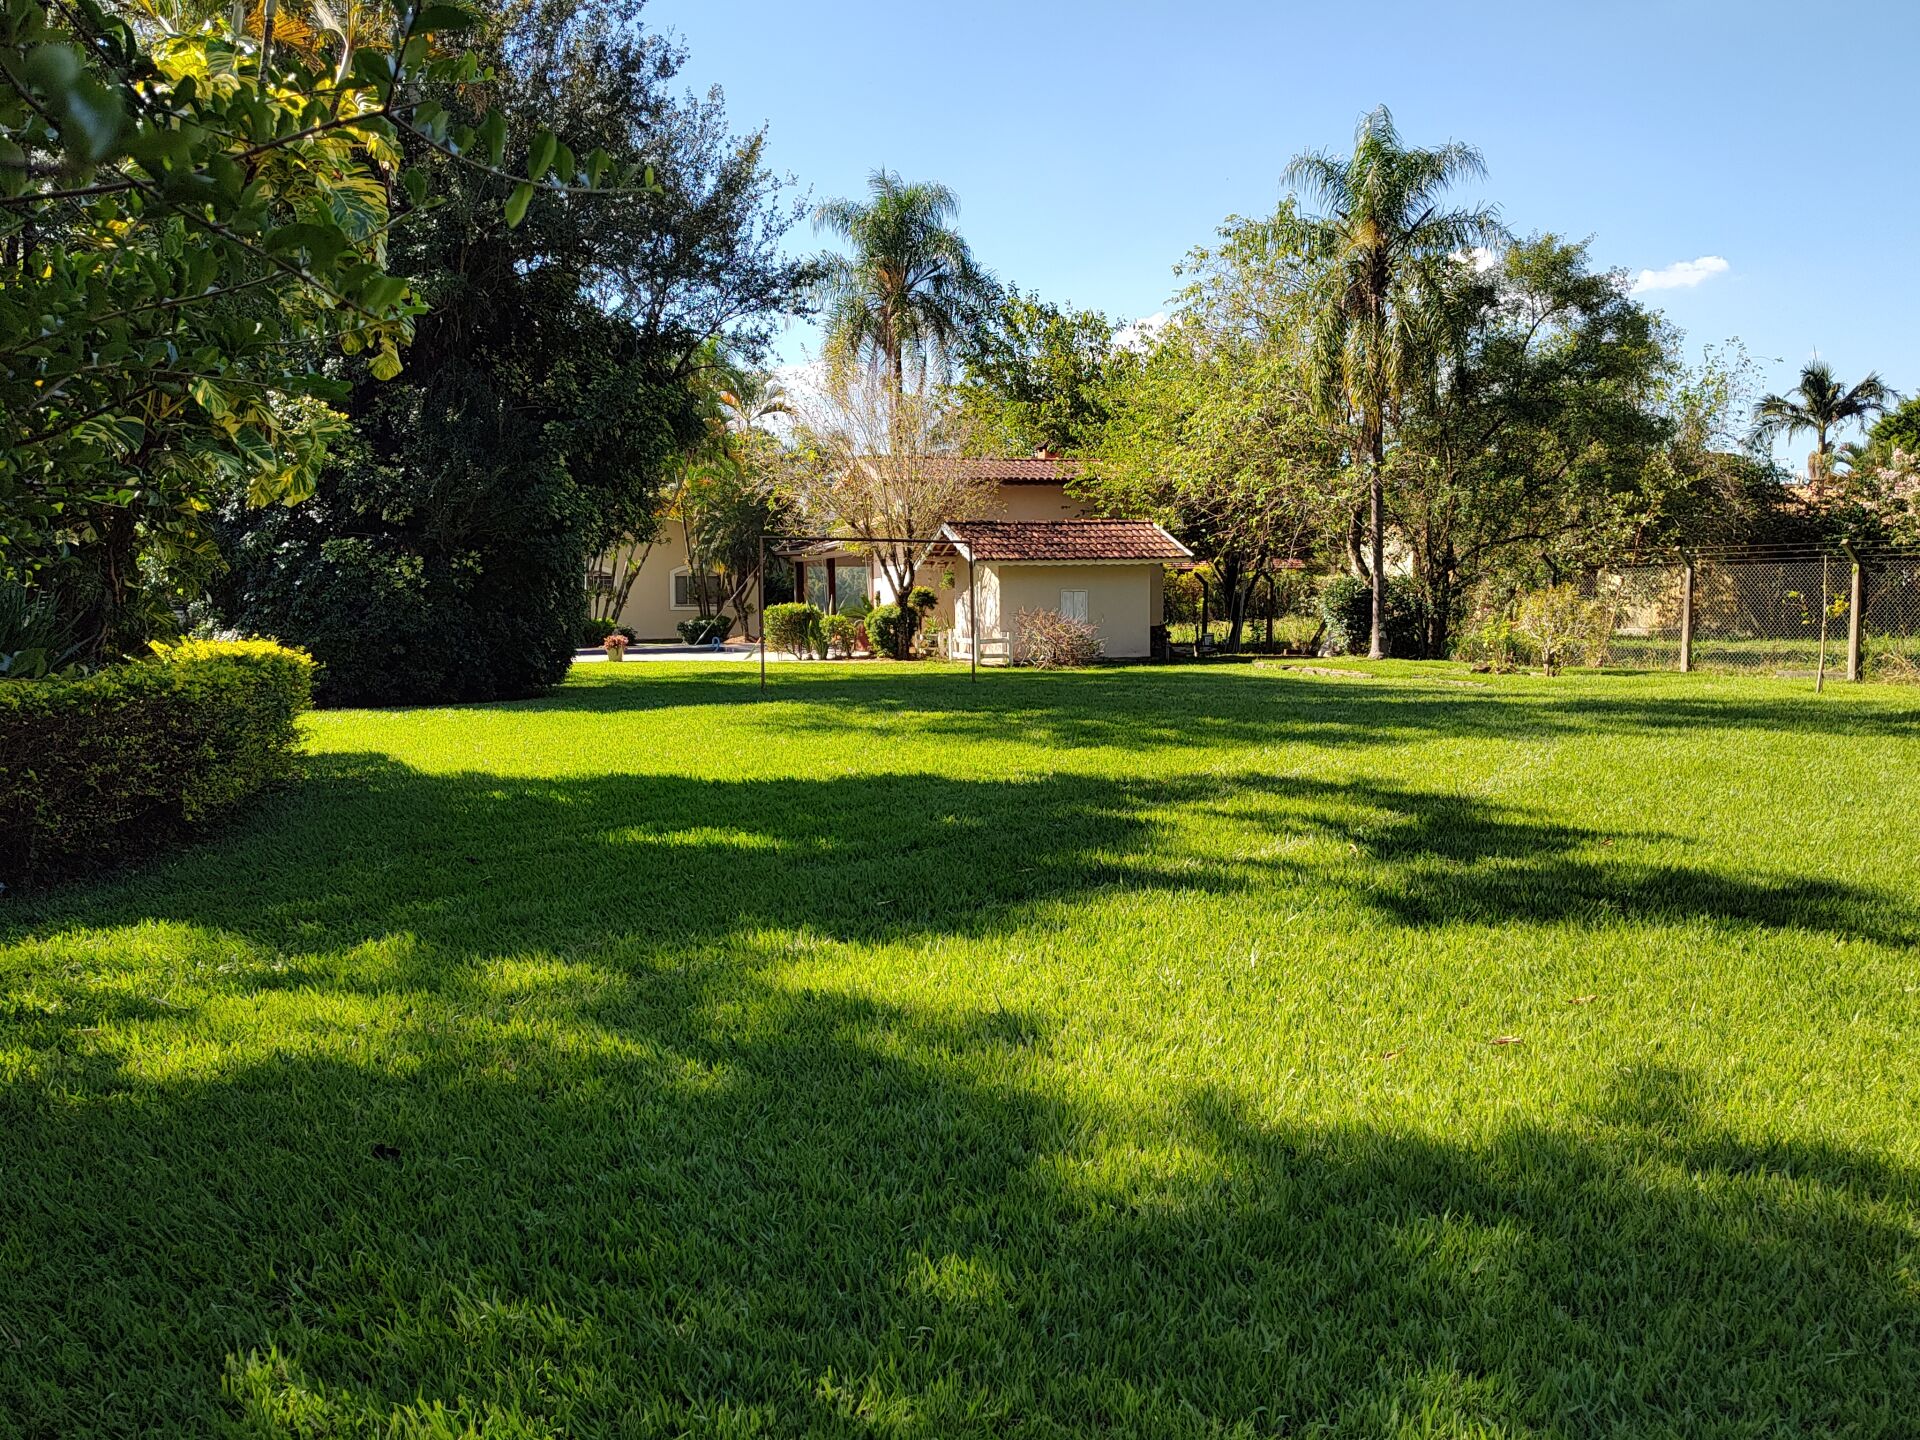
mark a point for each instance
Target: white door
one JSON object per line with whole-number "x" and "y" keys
{"x": 1073, "y": 604}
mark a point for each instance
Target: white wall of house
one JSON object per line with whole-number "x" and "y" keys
{"x": 658, "y": 602}
{"x": 1122, "y": 600}
{"x": 1031, "y": 502}
{"x": 662, "y": 592}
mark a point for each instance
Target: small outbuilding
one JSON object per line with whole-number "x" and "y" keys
{"x": 1107, "y": 572}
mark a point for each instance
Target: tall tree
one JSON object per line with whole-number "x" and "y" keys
{"x": 1381, "y": 233}
{"x": 1824, "y": 405}
{"x": 1032, "y": 377}
{"x": 1212, "y": 430}
{"x": 1522, "y": 455}
{"x": 194, "y": 228}
{"x": 543, "y": 410}
{"x": 910, "y": 287}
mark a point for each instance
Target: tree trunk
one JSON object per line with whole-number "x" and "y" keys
{"x": 1376, "y": 536}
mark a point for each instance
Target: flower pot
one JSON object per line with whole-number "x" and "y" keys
{"x": 616, "y": 652}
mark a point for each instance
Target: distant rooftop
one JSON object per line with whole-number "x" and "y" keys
{"x": 1061, "y": 540}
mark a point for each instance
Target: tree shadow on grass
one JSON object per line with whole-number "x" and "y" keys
{"x": 1450, "y": 858}
{"x": 692, "y": 1200}
{"x": 486, "y": 1094}
{"x": 372, "y": 856}
{"x": 1162, "y": 708}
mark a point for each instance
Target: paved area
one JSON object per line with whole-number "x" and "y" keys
{"x": 723, "y": 653}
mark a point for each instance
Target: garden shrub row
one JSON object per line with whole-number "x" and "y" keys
{"x": 96, "y": 767}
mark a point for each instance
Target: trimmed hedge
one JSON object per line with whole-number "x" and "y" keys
{"x": 98, "y": 767}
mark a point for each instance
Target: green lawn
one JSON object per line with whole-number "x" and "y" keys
{"x": 1109, "y": 1053}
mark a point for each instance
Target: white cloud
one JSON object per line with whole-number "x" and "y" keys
{"x": 1139, "y": 334}
{"x": 1681, "y": 275}
{"x": 1481, "y": 257}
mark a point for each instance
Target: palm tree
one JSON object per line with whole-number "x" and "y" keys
{"x": 907, "y": 291}
{"x": 752, "y": 397}
{"x": 1823, "y": 405}
{"x": 1382, "y": 239}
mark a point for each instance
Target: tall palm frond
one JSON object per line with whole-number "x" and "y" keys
{"x": 1820, "y": 404}
{"x": 909, "y": 286}
{"x": 1382, "y": 244}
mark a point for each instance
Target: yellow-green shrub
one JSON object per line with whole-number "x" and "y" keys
{"x": 100, "y": 766}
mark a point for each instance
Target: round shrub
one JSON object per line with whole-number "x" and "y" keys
{"x": 594, "y": 631}
{"x": 1346, "y": 616}
{"x": 793, "y": 627}
{"x": 101, "y": 766}
{"x": 890, "y": 630}
{"x": 1564, "y": 626}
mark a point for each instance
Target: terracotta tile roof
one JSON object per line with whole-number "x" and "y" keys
{"x": 1012, "y": 470}
{"x": 1064, "y": 540}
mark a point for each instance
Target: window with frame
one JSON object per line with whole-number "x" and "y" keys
{"x": 1073, "y": 604}
{"x": 687, "y": 597}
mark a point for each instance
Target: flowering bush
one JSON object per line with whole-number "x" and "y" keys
{"x": 616, "y": 643}
{"x": 1048, "y": 640}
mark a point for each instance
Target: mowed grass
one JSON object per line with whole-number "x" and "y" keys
{"x": 1207, "y": 1051}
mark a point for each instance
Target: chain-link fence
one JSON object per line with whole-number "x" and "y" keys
{"x": 1890, "y": 620}
{"x": 1768, "y": 614}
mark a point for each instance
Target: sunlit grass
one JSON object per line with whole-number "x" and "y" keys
{"x": 1197, "y": 1051}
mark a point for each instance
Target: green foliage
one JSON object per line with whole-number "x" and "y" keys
{"x": 1564, "y": 627}
{"x": 1896, "y": 429}
{"x": 1529, "y": 453}
{"x": 193, "y": 224}
{"x": 594, "y": 630}
{"x": 100, "y": 766}
{"x": 908, "y": 291}
{"x": 793, "y": 627}
{"x": 1296, "y": 632}
{"x": 418, "y": 584}
{"x": 841, "y": 632}
{"x": 706, "y": 629}
{"x": 34, "y": 639}
{"x": 891, "y": 628}
{"x": 922, "y": 600}
{"x": 1494, "y": 645}
{"x": 535, "y": 424}
{"x": 1033, "y": 378}
{"x": 1823, "y": 405}
{"x": 1213, "y": 431}
{"x": 1346, "y": 616}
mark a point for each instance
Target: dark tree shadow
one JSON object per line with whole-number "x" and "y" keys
{"x": 689, "y": 1201}
{"x": 543, "y": 1138}
{"x": 1174, "y": 707}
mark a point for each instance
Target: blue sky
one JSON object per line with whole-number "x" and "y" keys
{"x": 1093, "y": 145}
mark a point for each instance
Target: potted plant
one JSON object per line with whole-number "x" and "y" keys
{"x": 616, "y": 644}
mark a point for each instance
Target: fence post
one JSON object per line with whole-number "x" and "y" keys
{"x": 1856, "y": 591}
{"x": 1686, "y": 617}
